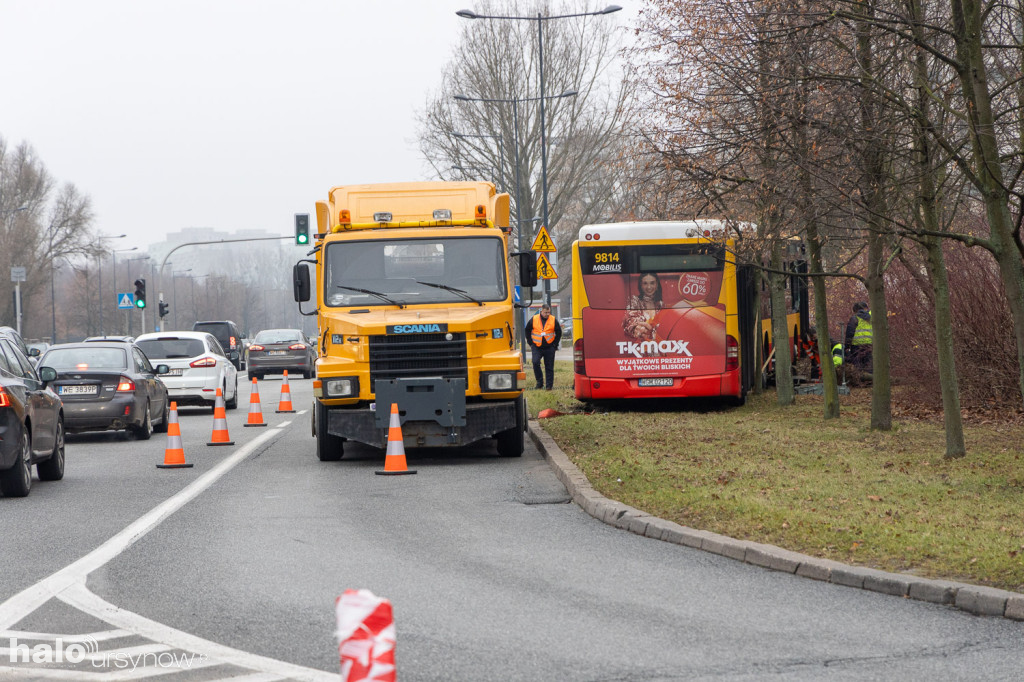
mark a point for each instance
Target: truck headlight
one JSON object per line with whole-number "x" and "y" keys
{"x": 343, "y": 387}
{"x": 498, "y": 381}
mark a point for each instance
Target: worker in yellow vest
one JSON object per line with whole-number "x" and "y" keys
{"x": 859, "y": 338}
{"x": 543, "y": 335}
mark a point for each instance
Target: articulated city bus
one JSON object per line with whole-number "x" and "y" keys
{"x": 662, "y": 309}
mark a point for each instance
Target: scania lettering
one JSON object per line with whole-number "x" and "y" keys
{"x": 414, "y": 307}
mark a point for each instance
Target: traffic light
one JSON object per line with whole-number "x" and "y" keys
{"x": 163, "y": 309}
{"x": 302, "y": 229}
{"x": 140, "y": 293}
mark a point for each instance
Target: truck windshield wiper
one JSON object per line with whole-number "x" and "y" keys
{"x": 371, "y": 293}
{"x": 460, "y": 292}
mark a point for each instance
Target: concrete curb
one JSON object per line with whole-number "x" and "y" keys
{"x": 981, "y": 601}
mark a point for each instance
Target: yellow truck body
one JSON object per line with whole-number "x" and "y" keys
{"x": 414, "y": 306}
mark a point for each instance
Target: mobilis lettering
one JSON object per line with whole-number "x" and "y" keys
{"x": 416, "y": 328}
{"x": 649, "y": 347}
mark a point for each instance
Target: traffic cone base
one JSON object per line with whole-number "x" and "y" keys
{"x": 220, "y": 423}
{"x": 285, "y": 404}
{"x": 255, "y": 411}
{"x": 174, "y": 454}
{"x": 394, "y": 458}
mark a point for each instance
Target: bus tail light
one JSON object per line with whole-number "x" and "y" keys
{"x": 577, "y": 357}
{"x": 732, "y": 353}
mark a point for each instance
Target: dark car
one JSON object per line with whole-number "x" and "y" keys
{"x": 273, "y": 351}
{"x": 230, "y": 338}
{"x": 108, "y": 385}
{"x": 31, "y": 422}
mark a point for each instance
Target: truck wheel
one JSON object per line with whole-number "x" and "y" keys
{"x": 512, "y": 442}
{"x": 329, "y": 448}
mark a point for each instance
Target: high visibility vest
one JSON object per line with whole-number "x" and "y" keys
{"x": 547, "y": 334}
{"x": 862, "y": 335}
{"x": 837, "y": 354}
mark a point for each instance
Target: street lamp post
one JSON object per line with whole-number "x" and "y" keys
{"x": 540, "y": 19}
{"x": 99, "y": 269}
{"x": 174, "y": 292}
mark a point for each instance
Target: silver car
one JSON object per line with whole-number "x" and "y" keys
{"x": 197, "y": 365}
{"x": 275, "y": 350}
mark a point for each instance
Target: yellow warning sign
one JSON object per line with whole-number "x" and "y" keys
{"x": 543, "y": 241}
{"x": 544, "y": 269}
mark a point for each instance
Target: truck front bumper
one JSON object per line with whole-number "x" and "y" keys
{"x": 483, "y": 420}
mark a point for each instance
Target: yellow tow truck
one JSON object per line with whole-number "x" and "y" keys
{"x": 414, "y": 306}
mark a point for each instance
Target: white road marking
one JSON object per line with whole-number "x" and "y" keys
{"x": 31, "y": 598}
{"x": 68, "y": 585}
{"x": 81, "y": 598}
{"x": 94, "y": 636}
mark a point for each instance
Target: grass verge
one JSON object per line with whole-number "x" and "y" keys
{"x": 787, "y": 477}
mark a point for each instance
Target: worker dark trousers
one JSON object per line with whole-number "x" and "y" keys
{"x": 548, "y": 355}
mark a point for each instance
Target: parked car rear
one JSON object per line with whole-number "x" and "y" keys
{"x": 31, "y": 422}
{"x": 108, "y": 385}
{"x": 276, "y": 350}
{"x": 197, "y": 367}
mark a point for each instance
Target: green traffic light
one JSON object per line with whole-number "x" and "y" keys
{"x": 140, "y": 303}
{"x": 302, "y": 239}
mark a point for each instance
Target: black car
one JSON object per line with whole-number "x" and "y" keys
{"x": 31, "y": 422}
{"x": 108, "y": 385}
{"x": 230, "y": 338}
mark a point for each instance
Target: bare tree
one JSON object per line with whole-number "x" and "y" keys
{"x": 500, "y": 140}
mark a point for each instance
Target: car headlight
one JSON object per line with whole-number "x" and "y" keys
{"x": 498, "y": 381}
{"x": 342, "y": 387}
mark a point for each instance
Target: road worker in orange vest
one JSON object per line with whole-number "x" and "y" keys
{"x": 543, "y": 335}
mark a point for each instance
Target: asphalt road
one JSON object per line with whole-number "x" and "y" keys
{"x": 492, "y": 573}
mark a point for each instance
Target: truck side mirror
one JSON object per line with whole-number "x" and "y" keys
{"x": 527, "y": 268}
{"x": 300, "y": 282}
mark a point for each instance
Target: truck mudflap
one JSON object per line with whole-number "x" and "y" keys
{"x": 482, "y": 420}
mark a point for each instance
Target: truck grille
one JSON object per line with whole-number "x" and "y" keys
{"x": 401, "y": 356}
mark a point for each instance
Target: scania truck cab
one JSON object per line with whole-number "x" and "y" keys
{"x": 414, "y": 306}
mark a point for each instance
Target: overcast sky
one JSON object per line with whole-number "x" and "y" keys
{"x": 227, "y": 114}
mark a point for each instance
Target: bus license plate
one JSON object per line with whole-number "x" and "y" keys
{"x": 656, "y": 381}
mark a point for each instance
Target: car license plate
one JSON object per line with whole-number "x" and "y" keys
{"x": 176, "y": 372}
{"x": 78, "y": 390}
{"x": 276, "y": 352}
{"x": 656, "y": 381}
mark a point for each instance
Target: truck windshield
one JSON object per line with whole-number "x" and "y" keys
{"x": 408, "y": 271}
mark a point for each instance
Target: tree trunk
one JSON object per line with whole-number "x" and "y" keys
{"x": 780, "y": 329}
{"x": 937, "y": 274}
{"x": 972, "y": 69}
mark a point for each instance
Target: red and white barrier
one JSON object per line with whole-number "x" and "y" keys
{"x": 366, "y": 637}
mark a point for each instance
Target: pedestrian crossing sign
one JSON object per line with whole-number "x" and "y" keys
{"x": 544, "y": 269}
{"x": 543, "y": 241}
{"x": 125, "y": 300}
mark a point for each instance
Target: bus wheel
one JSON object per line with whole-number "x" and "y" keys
{"x": 329, "y": 448}
{"x": 512, "y": 442}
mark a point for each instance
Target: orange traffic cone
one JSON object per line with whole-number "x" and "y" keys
{"x": 394, "y": 459}
{"x": 174, "y": 455}
{"x": 285, "y": 404}
{"x": 255, "y": 411}
{"x": 220, "y": 423}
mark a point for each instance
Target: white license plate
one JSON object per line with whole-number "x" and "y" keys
{"x": 78, "y": 390}
{"x": 277, "y": 352}
{"x": 177, "y": 372}
{"x": 656, "y": 381}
